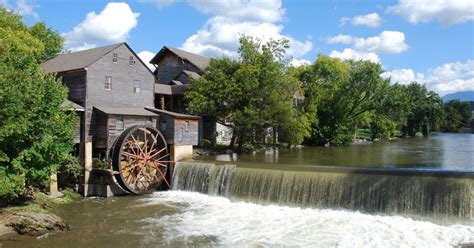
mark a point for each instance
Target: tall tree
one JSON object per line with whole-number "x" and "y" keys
{"x": 425, "y": 112}
{"x": 253, "y": 93}
{"x": 36, "y": 132}
{"x": 457, "y": 114}
{"x": 343, "y": 92}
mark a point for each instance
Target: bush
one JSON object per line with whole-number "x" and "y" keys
{"x": 10, "y": 187}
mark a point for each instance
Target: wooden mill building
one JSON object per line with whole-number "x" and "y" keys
{"x": 113, "y": 85}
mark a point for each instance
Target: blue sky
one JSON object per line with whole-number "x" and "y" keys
{"x": 430, "y": 41}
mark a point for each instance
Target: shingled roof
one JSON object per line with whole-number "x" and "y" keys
{"x": 77, "y": 60}
{"x": 199, "y": 61}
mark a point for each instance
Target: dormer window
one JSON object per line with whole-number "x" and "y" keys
{"x": 131, "y": 61}
{"x": 115, "y": 58}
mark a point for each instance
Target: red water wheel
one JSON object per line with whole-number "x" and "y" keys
{"x": 140, "y": 159}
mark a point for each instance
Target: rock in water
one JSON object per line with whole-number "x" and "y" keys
{"x": 36, "y": 224}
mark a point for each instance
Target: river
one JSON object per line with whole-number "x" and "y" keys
{"x": 439, "y": 151}
{"x": 179, "y": 218}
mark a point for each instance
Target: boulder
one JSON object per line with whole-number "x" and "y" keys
{"x": 36, "y": 224}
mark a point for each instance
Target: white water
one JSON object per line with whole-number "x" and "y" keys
{"x": 217, "y": 221}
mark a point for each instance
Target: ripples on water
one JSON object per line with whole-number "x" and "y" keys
{"x": 207, "y": 220}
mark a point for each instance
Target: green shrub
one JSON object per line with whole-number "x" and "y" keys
{"x": 10, "y": 187}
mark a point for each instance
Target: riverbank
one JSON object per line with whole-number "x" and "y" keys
{"x": 36, "y": 216}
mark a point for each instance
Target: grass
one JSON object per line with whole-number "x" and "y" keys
{"x": 42, "y": 203}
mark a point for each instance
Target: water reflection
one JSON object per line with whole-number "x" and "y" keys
{"x": 443, "y": 151}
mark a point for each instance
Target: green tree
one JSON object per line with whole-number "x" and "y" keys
{"x": 254, "y": 93}
{"x": 36, "y": 132}
{"x": 342, "y": 91}
{"x": 425, "y": 112}
{"x": 457, "y": 114}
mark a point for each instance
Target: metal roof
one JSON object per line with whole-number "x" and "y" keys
{"x": 199, "y": 61}
{"x": 174, "y": 114}
{"x": 125, "y": 111}
{"x": 72, "y": 106}
{"x": 77, "y": 60}
{"x": 169, "y": 90}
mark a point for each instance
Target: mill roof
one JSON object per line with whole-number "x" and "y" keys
{"x": 125, "y": 111}
{"x": 199, "y": 61}
{"x": 77, "y": 60}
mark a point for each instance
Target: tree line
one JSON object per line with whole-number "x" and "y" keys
{"x": 255, "y": 93}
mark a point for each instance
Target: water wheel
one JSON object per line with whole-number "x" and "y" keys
{"x": 140, "y": 159}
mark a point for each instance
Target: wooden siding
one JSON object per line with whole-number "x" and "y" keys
{"x": 128, "y": 121}
{"x": 183, "y": 78}
{"x": 166, "y": 127}
{"x": 78, "y": 128}
{"x": 123, "y": 75}
{"x": 99, "y": 121}
{"x": 171, "y": 66}
{"x": 76, "y": 82}
{"x": 186, "y": 136}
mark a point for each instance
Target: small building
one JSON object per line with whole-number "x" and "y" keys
{"x": 175, "y": 68}
{"x": 180, "y": 130}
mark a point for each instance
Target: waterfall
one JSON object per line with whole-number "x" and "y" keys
{"x": 203, "y": 178}
{"x": 336, "y": 188}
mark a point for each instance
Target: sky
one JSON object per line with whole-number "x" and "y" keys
{"x": 428, "y": 41}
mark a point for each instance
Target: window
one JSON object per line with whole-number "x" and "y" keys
{"x": 108, "y": 83}
{"x": 119, "y": 123}
{"x": 115, "y": 58}
{"x": 164, "y": 125}
{"x": 186, "y": 126}
{"x": 131, "y": 61}
{"x": 149, "y": 121}
{"x": 136, "y": 86}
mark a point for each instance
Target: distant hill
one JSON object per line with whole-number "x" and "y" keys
{"x": 462, "y": 95}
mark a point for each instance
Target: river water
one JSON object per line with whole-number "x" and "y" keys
{"x": 439, "y": 151}
{"x": 179, "y": 218}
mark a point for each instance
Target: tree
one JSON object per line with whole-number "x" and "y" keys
{"x": 457, "y": 114}
{"x": 36, "y": 132}
{"x": 342, "y": 92}
{"x": 425, "y": 112}
{"x": 254, "y": 93}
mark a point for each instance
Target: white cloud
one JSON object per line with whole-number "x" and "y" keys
{"x": 372, "y": 20}
{"x": 220, "y": 35}
{"x": 112, "y": 24}
{"x": 146, "y": 56}
{"x": 403, "y": 76}
{"x": 444, "y": 79}
{"x": 341, "y": 38}
{"x": 452, "y": 77}
{"x": 385, "y": 42}
{"x": 22, "y": 7}
{"x": 446, "y": 12}
{"x": 242, "y": 10}
{"x": 299, "y": 62}
{"x": 349, "y": 53}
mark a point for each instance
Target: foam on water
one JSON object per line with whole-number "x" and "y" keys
{"x": 220, "y": 222}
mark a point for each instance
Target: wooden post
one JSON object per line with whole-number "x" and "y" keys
{"x": 162, "y": 102}
{"x": 53, "y": 183}
{"x": 87, "y": 161}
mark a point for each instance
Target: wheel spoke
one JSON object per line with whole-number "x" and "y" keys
{"x": 142, "y": 159}
{"x": 156, "y": 153}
